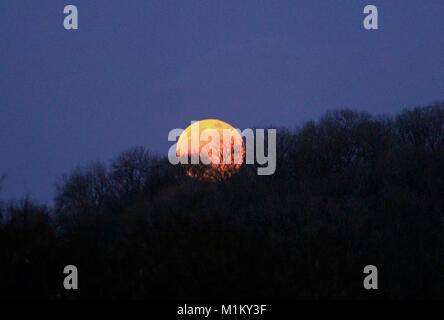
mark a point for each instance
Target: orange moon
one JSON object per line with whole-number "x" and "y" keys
{"x": 198, "y": 140}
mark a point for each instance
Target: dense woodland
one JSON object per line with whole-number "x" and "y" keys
{"x": 350, "y": 189}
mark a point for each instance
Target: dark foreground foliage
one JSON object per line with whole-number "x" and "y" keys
{"x": 349, "y": 190}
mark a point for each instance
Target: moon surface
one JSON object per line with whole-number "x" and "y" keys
{"x": 217, "y": 145}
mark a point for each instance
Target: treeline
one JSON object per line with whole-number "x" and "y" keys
{"x": 349, "y": 190}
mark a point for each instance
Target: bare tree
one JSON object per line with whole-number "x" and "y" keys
{"x": 130, "y": 172}
{"x": 83, "y": 190}
{"x": 422, "y": 127}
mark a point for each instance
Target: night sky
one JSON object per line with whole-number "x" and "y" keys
{"x": 137, "y": 69}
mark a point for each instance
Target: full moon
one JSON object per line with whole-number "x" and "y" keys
{"x": 217, "y": 145}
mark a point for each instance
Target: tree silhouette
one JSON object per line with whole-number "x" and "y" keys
{"x": 350, "y": 189}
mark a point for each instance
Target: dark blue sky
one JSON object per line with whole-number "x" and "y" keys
{"x": 136, "y": 69}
